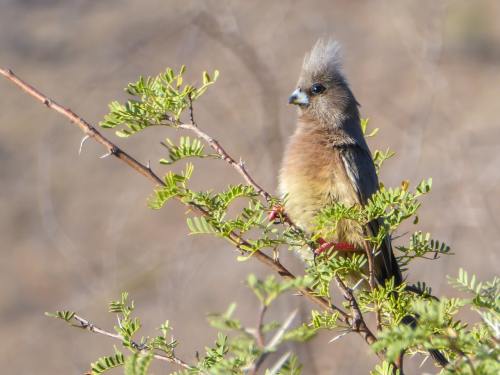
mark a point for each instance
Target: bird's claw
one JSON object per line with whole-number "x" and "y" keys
{"x": 278, "y": 215}
{"x": 337, "y": 246}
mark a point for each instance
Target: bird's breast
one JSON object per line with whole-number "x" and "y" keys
{"x": 312, "y": 176}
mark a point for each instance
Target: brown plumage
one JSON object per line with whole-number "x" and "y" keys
{"x": 327, "y": 159}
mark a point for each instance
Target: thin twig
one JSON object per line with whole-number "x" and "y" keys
{"x": 239, "y": 166}
{"x": 85, "y": 324}
{"x": 142, "y": 169}
{"x": 191, "y": 110}
{"x": 260, "y": 324}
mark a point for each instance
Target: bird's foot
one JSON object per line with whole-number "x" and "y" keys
{"x": 337, "y": 246}
{"x": 278, "y": 215}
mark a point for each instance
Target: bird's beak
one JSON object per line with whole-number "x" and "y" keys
{"x": 298, "y": 97}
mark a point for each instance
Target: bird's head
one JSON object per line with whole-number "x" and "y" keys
{"x": 322, "y": 91}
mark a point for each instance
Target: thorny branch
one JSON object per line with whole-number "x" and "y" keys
{"x": 238, "y": 165}
{"x": 357, "y": 317}
{"x": 85, "y": 324}
{"x": 90, "y": 131}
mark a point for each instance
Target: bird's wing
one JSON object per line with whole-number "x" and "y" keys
{"x": 359, "y": 166}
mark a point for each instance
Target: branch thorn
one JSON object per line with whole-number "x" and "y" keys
{"x": 84, "y": 139}
{"x": 339, "y": 336}
{"x": 423, "y": 361}
{"x": 106, "y": 154}
{"x": 357, "y": 284}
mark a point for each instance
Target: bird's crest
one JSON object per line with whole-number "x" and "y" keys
{"x": 324, "y": 56}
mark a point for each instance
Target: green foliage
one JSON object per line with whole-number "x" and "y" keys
{"x": 379, "y": 157}
{"x": 471, "y": 348}
{"x": 199, "y": 225}
{"x": 388, "y": 206}
{"x": 364, "y": 128}
{"x": 157, "y": 101}
{"x": 65, "y": 315}
{"x": 138, "y": 363}
{"x": 421, "y": 246}
{"x": 127, "y": 326}
{"x": 329, "y": 264}
{"x": 385, "y": 368}
{"x": 392, "y": 301}
{"x": 234, "y": 352}
{"x": 324, "y": 320}
{"x": 104, "y": 364}
{"x": 224, "y": 321}
{"x": 269, "y": 289}
{"x": 187, "y": 148}
{"x": 175, "y": 186}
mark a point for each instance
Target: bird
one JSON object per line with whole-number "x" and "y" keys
{"x": 327, "y": 159}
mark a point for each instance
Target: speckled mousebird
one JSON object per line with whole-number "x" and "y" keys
{"x": 327, "y": 159}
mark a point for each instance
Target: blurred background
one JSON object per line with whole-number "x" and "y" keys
{"x": 75, "y": 229}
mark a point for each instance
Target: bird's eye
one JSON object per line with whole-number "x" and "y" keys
{"x": 317, "y": 88}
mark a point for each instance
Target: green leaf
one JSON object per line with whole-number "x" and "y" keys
{"x": 421, "y": 246}
{"x": 104, "y": 364}
{"x": 138, "y": 363}
{"x": 216, "y": 355}
{"x": 65, "y": 315}
{"x": 187, "y": 148}
{"x": 364, "y": 128}
{"x": 379, "y": 157}
{"x": 225, "y": 321}
{"x": 269, "y": 289}
{"x": 155, "y": 101}
{"x": 385, "y": 368}
{"x": 122, "y": 306}
{"x": 425, "y": 186}
{"x": 199, "y": 225}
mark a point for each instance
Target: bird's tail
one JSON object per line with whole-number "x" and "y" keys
{"x": 439, "y": 357}
{"x": 388, "y": 268}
